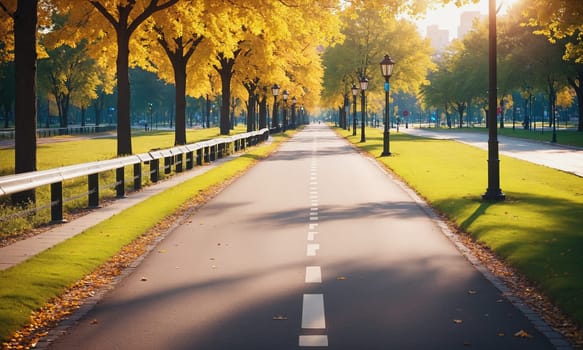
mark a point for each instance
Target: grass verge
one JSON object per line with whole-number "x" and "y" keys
{"x": 536, "y": 230}
{"x": 14, "y": 224}
{"x": 30, "y": 285}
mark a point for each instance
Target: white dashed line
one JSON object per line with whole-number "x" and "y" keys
{"x": 313, "y": 274}
{"x": 313, "y": 312}
{"x": 313, "y": 340}
{"x": 312, "y": 249}
{"x": 311, "y": 235}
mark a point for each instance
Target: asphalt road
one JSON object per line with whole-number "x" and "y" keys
{"x": 315, "y": 247}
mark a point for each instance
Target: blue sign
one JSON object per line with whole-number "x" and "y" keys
{"x": 387, "y": 86}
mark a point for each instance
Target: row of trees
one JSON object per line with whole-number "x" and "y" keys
{"x": 202, "y": 47}
{"x": 226, "y": 49}
{"x": 540, "y": 51}
{"x": 528, "y": 64}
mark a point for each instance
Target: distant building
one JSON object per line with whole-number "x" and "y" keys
{"x": 439, "y": 37}
{"x": 467, "y": 21}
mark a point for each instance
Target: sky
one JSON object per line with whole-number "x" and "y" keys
{"x": 448, "y": 16}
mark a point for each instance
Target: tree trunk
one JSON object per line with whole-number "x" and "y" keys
{"x": 124, "y": 132}
{"x": 226, "y": 75}
{"x": 263, "y": 113}
{"x": 25, "y": 28}
{"x": 577, "y": 85}
{"x": 180, "y": 83}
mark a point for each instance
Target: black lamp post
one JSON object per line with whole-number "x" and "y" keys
{"x": 363, "y": 87}
{"x": 493, "y": 192}
{"x": 293, "y": 112}
{"x": 275, "y": 92}
{"x": 354, "y": 94}
{"x": 387, "y": 65}
{"x": 285, "y": 95}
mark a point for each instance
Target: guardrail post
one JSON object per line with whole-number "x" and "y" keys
{"x": 93, "y": 189}
{"x": 213, "y": 153}
{"x": 199, "y": 156}
{"x": 178, "y": 159}
{"x": 189, "y": 160}
{"x": 207, "y": 154}
{"x": 167, "y": 165}
{"x": 120, "y": 182}
{"x": 57, "y": 202}
{"x": 154, "y": 170}
{"x": 137, "y": 176}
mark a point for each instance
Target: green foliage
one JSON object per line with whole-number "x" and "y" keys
{"x": 537, "y": 229}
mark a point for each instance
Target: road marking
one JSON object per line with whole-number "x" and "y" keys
{"x": 313, "y": 312}
{"x": 313, "y": 274}
{"x": 314, "y": 209}
{"x": 313, "y": 182}
{"x": 312, "y": 226}
{"x": 311, "y": 235}
{"x": 312, "y": 249}
{"x": 313, "y": 340}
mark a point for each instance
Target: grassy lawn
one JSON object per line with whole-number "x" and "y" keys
{"x": 29, "y": 285}
{"x": 564, "y": 137}
{"x": 537, "y": 229}
{"x": 57, "y": 154}
{"x": 54, "y": 155}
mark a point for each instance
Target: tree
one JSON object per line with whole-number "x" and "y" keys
{"x": 124, "y": 18}
{"x": 25, "y": 19}
{"x": 71, "y": 76}
{"x": 179, "y": 31}
{"x": 370, "y": 33}
{"x": 559, "y": 21}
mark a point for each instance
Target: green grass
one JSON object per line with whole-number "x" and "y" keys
{"x": 537, "y": 229}
{"x": 54, "y": 155}
{"x": 28, "y": 286}
{"x": 564, "y": 137}
{"x": 58, "y": 154}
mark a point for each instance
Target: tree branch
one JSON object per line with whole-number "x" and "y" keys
{"x": 3, "y": 7}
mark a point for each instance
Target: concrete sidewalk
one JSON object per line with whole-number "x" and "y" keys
{"x": 22, "y": 250}
{"x": 565, "y": 158}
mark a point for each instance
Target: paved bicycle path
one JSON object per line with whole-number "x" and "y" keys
{"x": 565, "y": 158}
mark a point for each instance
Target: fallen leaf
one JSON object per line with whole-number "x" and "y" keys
{"x": 341, "y": 278}
{"x": 94, "y": 321}
{"x": 501, "y": 334}
{"x": 280, "y": 318}
{"x": 143, "y": 279}
{"x": 162, "y": 251}
{"x": 458, "y": 321}
{"x": 471, "y": 291}
{"x": 522, "y": 334}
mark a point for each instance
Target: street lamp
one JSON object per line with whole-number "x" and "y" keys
{"x": 363, "y": 86}
{"x": 150, "y": 109}
{"x": 354, "y": 94}
{"x": 285, "y": 95}
{"x": 387, "y": 66}
{"x": 493, "y": 192}
{"x": 274, "y": 92}
{"x": 293, "y": 111}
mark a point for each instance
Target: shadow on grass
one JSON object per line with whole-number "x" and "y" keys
{"x": 539, "y": 235}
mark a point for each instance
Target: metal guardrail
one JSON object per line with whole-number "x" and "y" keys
{"x": 205, "y": 151}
